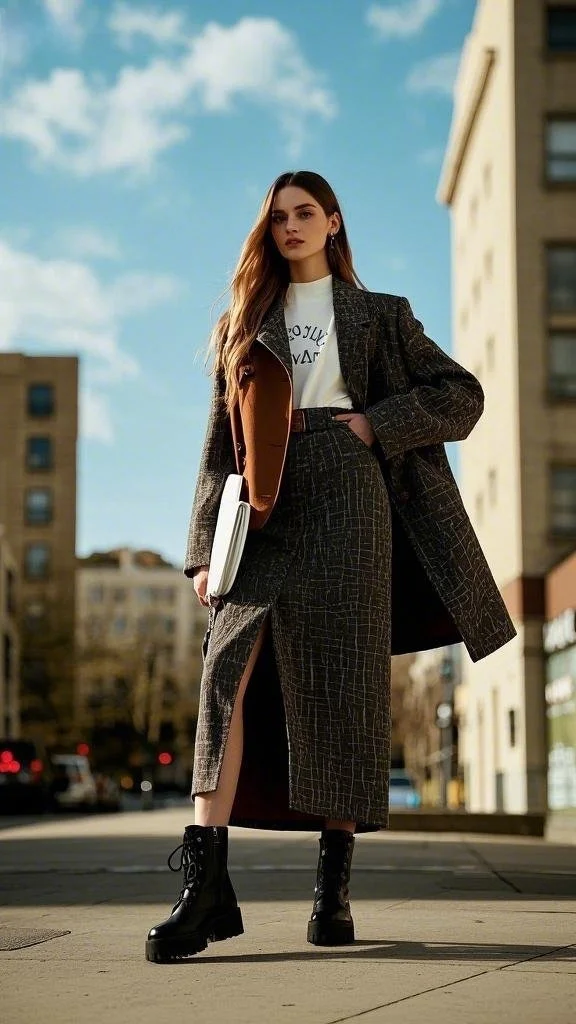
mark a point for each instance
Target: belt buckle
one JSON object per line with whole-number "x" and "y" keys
{"x": 297, "y": 421}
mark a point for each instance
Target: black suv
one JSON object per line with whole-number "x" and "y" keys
{"x": 24, "y": 777}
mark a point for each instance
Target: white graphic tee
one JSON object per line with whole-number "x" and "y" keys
{"x": 316, "y": 373}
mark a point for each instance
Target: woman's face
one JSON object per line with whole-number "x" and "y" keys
{"x": 299, "y": 225}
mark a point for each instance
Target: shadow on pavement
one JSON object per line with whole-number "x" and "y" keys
{"x": 389, "y": 949}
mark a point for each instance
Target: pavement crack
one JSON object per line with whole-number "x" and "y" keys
{"x": 493, "y": 871}
{"x": 448, "y": 984}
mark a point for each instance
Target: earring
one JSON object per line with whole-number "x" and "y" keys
{"x": 332, "y": 237}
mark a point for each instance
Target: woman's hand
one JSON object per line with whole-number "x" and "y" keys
{"x": 200, "y": 579}
{"x": 360, "y": 424}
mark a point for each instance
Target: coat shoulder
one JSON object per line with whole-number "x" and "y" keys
{"x": 385, "y": 302}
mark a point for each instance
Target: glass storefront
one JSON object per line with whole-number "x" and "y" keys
{"x": 561, "y": 723}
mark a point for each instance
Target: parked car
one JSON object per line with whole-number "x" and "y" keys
{"x": 24, "y": 777}
{"x": 73, "y": 785}
{"x": 403, "y": 792}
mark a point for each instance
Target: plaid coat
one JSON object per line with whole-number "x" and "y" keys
{"x": 416, "y": 398}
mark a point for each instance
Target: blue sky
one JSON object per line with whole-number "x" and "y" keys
{"x": 137, "y": 142}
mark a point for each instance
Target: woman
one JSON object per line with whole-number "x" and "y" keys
{"x": 335, "y": 406}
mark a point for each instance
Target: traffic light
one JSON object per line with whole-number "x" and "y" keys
{"x": 165, "y": 757}
{"x": 83, "y": 749}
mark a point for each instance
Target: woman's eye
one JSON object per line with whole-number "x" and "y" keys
{"x": 306, "y": 213}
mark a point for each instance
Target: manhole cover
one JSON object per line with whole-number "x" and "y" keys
{"x": 18, "y": 938}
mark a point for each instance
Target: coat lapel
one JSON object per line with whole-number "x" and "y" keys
{"x": 274, "y": 335}
{"x": 352, "y": 319}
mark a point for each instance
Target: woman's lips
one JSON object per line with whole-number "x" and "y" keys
{"x": 294, "y": 242}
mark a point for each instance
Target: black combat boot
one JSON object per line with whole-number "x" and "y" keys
{"x": 206, "y": 910}
{"x": 331, "y": 922}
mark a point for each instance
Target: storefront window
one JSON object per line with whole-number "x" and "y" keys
{"x": 561, "y": 716}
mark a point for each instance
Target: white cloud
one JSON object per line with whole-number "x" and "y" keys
{"x": 437, "y": 74}
{"x": 61, "y": 305}
{"x": 66, "y": 16}
{"x": 95, "y": 418}
{"x": 401, "y": 20}
{"x": 87, "y": 127}
{"x": 126, "y": 22}
{"x": 85, "y": 241}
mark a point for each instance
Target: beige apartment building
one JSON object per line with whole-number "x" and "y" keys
{"x": 38, "y": 437}
{"x": 9, "y": 642}
{"x": 139, "y": 634}
{"x": 509, "y": 179}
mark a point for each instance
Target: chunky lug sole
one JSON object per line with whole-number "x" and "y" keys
{"x": 162, "y": 951}
{"x": 330, "y": 933}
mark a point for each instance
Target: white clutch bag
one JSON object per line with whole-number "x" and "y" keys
{"x": 229, "y": 537}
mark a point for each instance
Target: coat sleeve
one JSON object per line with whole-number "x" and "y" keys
{"x": 216, "y": 462}
{"x": 443, "y": 404}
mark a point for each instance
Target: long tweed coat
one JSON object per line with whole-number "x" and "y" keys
{"x": 442, "y": 590}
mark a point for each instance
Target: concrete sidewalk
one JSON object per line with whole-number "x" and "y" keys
{"x": 451, "y": 928}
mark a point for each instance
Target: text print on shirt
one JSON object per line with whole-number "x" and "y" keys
{"x": 310, "y": 338}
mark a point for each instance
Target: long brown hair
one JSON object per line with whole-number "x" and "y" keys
{"x": 262, "y": 276}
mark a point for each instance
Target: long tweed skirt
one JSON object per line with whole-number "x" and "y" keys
{"x": 317, "y": 709}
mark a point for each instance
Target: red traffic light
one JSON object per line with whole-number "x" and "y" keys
{"x": 83, "y": 748}
{"x": 165, "y": 757}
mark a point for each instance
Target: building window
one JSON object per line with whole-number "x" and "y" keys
{"x": 119, "y": 595}
{"x": 8, "y": 658}
{"x": 561, "y": 260}
{"x": 561, "y": 149}
{"x": 10, "y": 592}
{"x": 120, "y": 625}
{"x": 490, "y": 346}
{"x": 34, "y": 616}
{"x": 512, "y": 727}
{"x": 563, "y": 488}
{"x": 492, "y": 486}
{"x": 40, "y": 400}
{"x": 143, "y": 625}
{"x": 487, "y": 180}
{"x": 38, "y": 506}
{"x": 488, "y": 264}
{"x": 96, "y": 593}
{"x": 561, "y": 28}
{"x": 37, "y": 561}
{"x": 94, "y": 628}
{"x": 562, "y": 374}
{"x": 34, "y": 673}
{"x": 39, "y": 453}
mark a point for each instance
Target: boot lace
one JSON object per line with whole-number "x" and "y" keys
{"x": 191, "y": 854}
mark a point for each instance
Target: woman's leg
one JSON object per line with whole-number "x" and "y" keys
{"x": 214, "y": 808}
